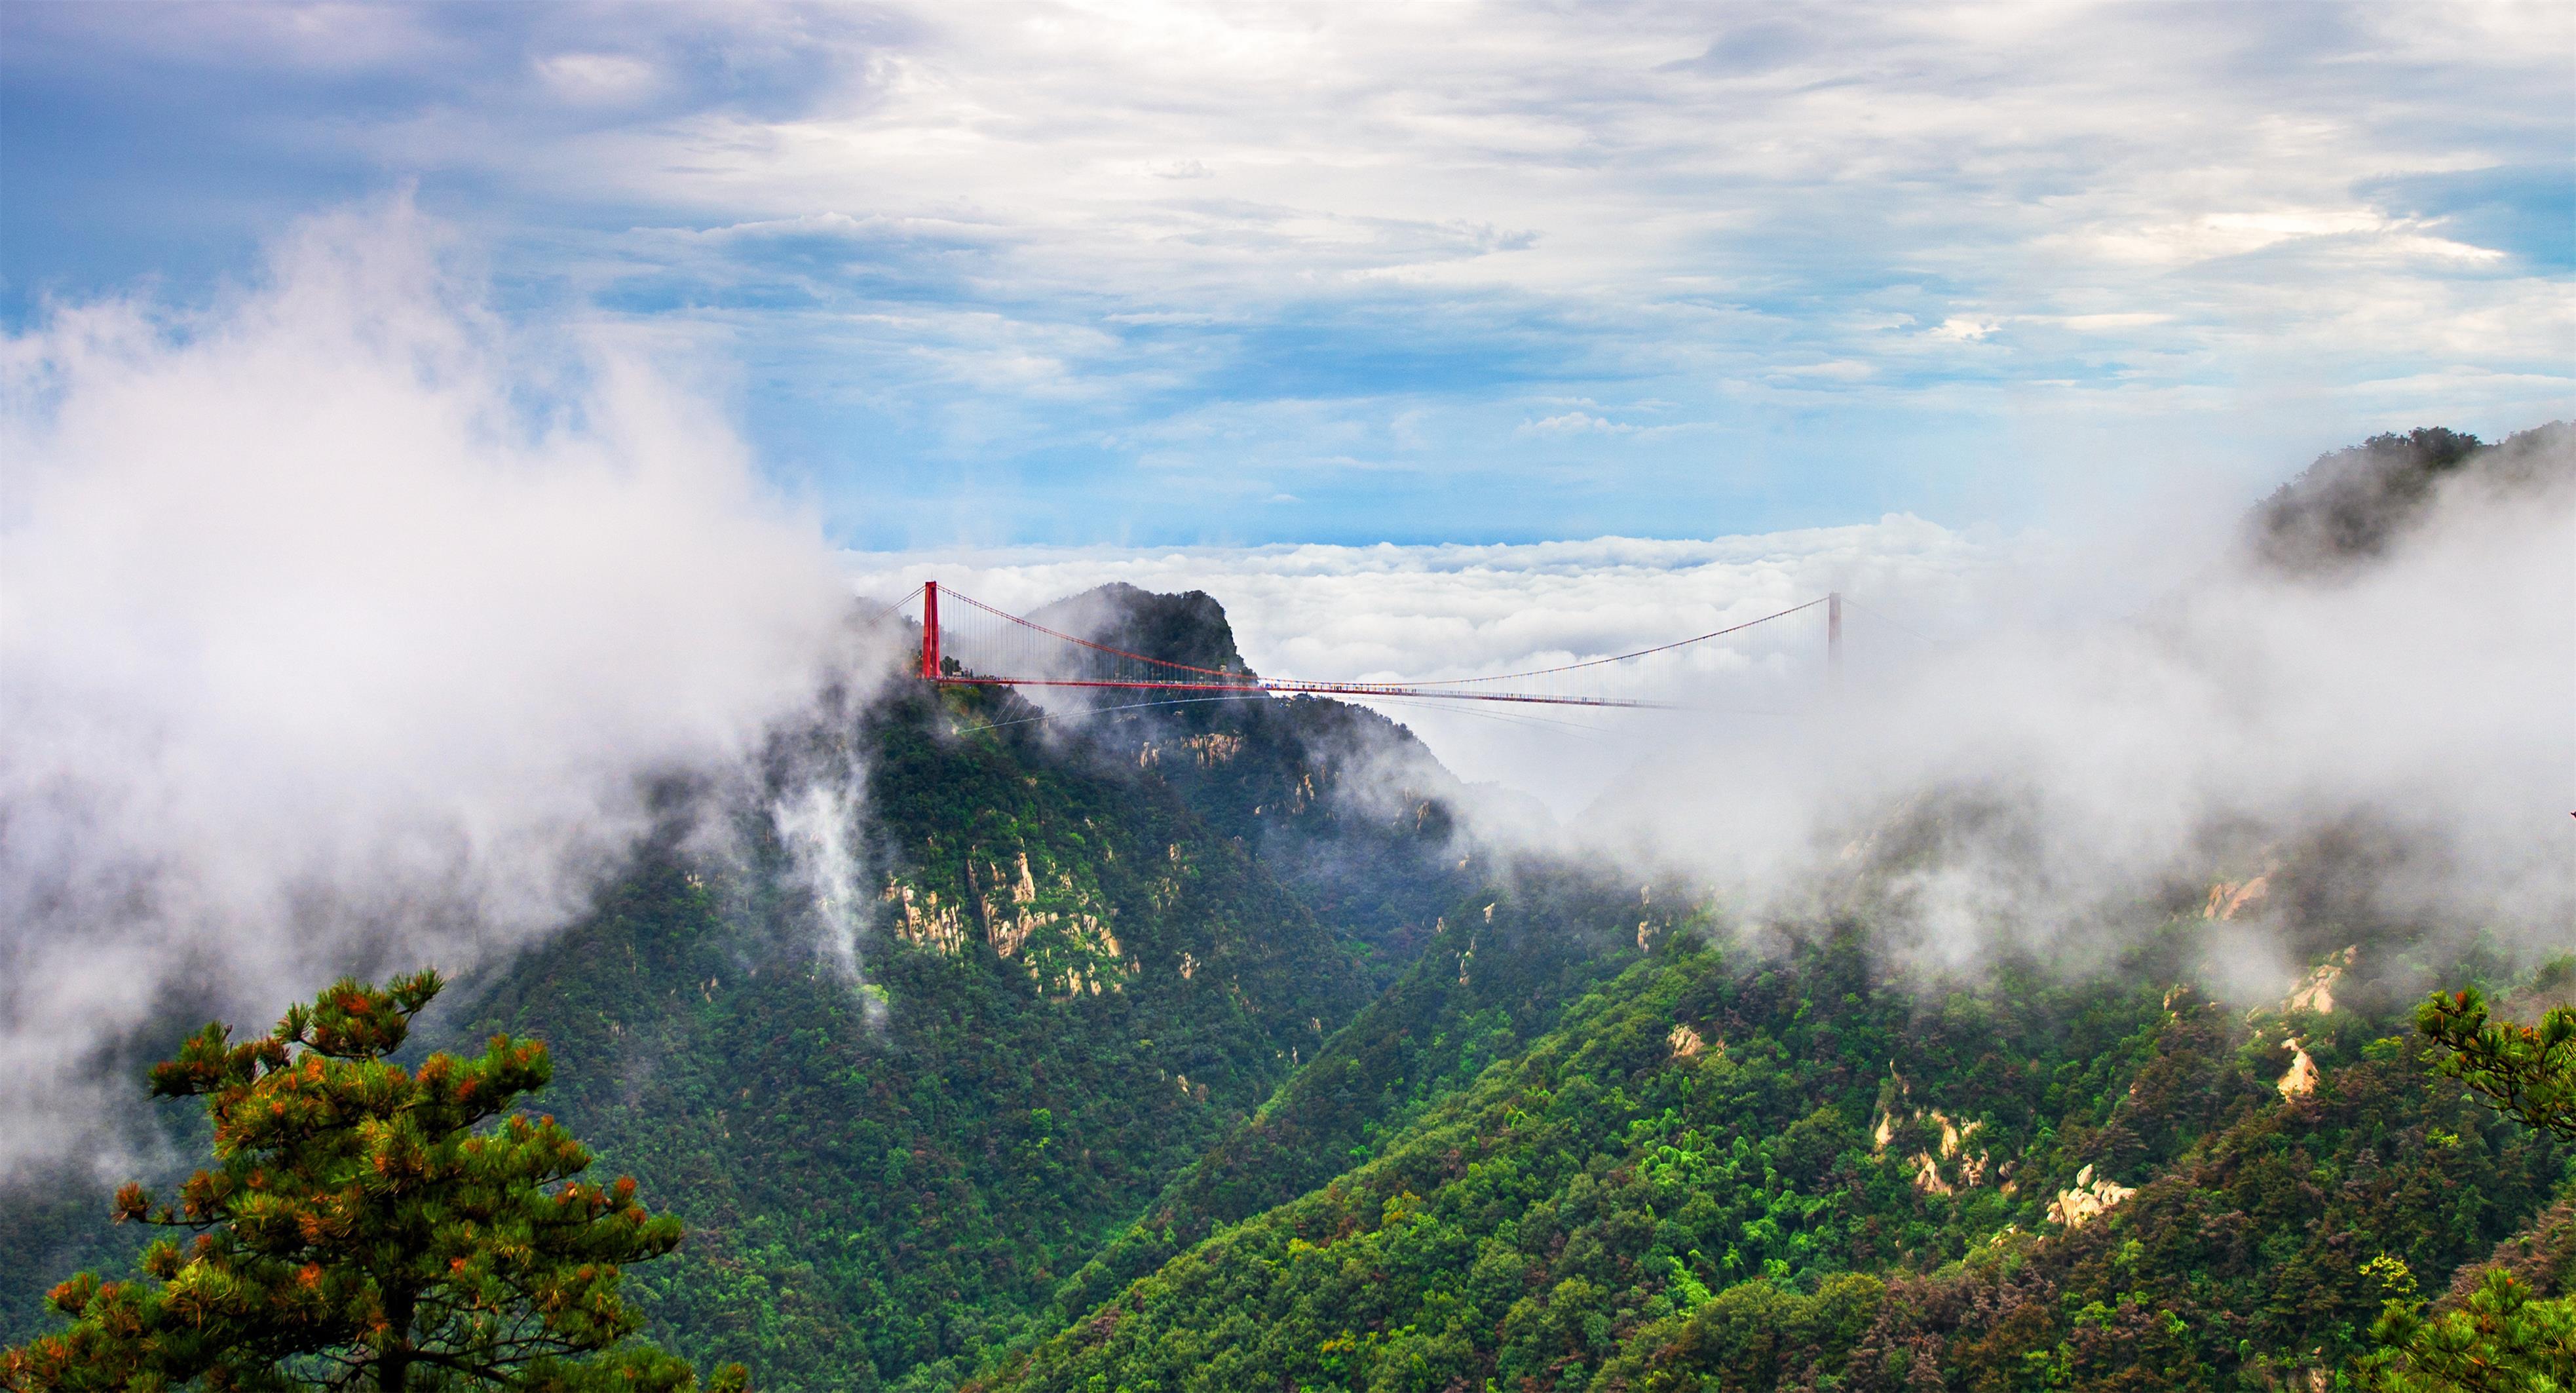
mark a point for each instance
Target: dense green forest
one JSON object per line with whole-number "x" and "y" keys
{"x": 1087, "y": 967}
{"x": 1213, "y": 1049}
{"x": 1780, "y": 1167}
{"x": 1084, "y": 983}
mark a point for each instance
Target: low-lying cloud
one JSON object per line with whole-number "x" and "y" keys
{"x": 1439, "y": 613}
{"x": 2028, "y": 734}
{"x": 323, "y": 649}
{"x": 2399, "y": 728}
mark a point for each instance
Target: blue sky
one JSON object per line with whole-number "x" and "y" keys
{"x": 1145, "y": 275}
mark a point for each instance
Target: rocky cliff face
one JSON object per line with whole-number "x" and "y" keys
{"x": 1344, "y": 805}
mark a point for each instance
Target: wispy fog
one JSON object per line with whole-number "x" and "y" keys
{"x": 322, "y": 648}
{"x": 2403, "y": 726}
{"x": 2034, "y": 738}
{"x": 316, "y": 640}
{"x": 1432, "y": 613}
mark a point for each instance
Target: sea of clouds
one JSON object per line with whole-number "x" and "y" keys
{"x": 1436, "y": 614}
{"x": 2399, "y": 735}
{"x": 2077, "y": 725}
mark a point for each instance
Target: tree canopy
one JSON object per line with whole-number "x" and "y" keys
{"x": 2503, "y": 1336}
{"x": 2525, "y": 1072}
{"x": 363, "y": 1224}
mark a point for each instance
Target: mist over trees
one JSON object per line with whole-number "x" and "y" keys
{"x": 2351, "y": 504}
{"x": 1222, "y": 1048}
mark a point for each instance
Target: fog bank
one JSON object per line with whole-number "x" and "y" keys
{"x": 2036, "y": 741}
{"x": 322, "y": 649}
{"x": 2383, "y": 728}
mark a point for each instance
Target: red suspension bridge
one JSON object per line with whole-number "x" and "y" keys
{"x": 966, "y": 642}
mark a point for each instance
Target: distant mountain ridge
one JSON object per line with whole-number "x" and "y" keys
{"x": 1087, "y": 980}
{"x": 2350, "y": 505}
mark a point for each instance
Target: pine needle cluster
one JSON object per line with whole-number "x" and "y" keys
{"x": 368, "y": 1224}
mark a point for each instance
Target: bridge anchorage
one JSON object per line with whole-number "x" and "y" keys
{"x": 966, "y": 642}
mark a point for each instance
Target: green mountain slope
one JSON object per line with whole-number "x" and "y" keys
{"x": 1481, "y": 992}
{"x": 1076, "y": 983}
{"x": 1081, "y": 987}
{"x": 1729, "y": 1168}
{"x": 1207, "y": 1047}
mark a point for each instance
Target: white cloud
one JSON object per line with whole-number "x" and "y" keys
{"x": 1837, "y": 370}
{"x": 1577, "y": 423}
{"x": 2237, "y": 715}
{"x": 320, "y": 654}
{"x": 2103, "y": 323}
{"x": 599, "y": 79}
{"x": 1435, "y": 613}
{"x": 2124, "y": 725}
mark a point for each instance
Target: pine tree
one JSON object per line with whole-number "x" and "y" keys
{"x": 2504, "y": 1337}
{"x": 363, "y": 1226}
{"x": 2522, "y": 1071}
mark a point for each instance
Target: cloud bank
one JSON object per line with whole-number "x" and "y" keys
{"x": 2033, "y": 738}
{"x": 325, "y": 646}
{"x": 2393, "y": 730}
{"x": 1435, "y": 613}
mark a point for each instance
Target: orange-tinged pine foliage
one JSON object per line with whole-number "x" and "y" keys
{"x": 364, "y": 1222}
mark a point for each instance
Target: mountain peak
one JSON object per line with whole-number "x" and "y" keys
{"x": 2351, "y": 504}
{"x": 1189, "y": 627}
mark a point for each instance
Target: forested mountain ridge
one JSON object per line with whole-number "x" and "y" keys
{"x": 1801, "y": 1162}
{"x": 1080, "y": 984}
{"x": 1209, "y": 1047}
{"x": 2352, "y": 504}
{"x": 1735, "y": 1168}
{"x": 1079, "y": 968}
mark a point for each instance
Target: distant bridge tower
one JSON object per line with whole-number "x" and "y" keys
{"x": 930, "y": 630}
{"x": 1834, "y": 638}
